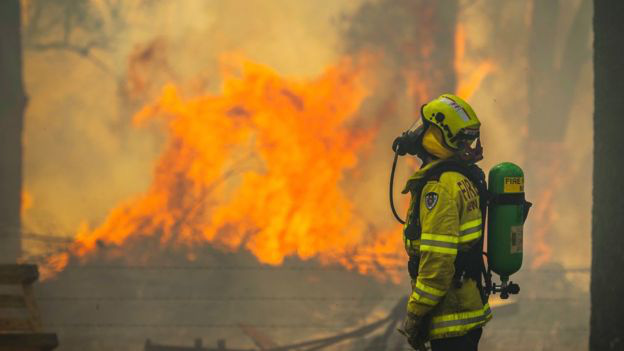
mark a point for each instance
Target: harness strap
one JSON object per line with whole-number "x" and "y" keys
{"x": 467, "y": 264}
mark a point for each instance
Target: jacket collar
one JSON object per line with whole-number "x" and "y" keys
{"x": 419, "y": 175}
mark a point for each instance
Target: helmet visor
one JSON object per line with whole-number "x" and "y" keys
{"x": 471, "y": 150}
{"x": 417, "y": 128}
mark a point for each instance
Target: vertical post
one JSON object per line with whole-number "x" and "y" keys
{"x": 199, "y": 344}
{"x": 12, "y": 103}
{"x": 607, "y": 282}
{"x": 31, "y": 305}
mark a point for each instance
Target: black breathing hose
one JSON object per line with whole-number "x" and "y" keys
{"x": 396, "y": 215}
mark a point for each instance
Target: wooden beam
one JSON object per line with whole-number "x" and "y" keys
{"x": 12, "y": 301}
{"x": 263, "y": 341}
{"x": 28, "y": 341}
{"x": 13, "y": 325}
{"x": 31, "y": 306}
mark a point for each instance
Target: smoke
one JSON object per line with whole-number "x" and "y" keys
{"x": 82, "y": 155}
{"x": 413, "y": 43}
{"x": 561, "y": 165}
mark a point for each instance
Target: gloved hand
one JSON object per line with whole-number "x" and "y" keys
{"x": 412, "y": 329}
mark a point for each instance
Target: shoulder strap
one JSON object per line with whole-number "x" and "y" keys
{"x": 470, "y": 171}
{"x": 470, "y": 264}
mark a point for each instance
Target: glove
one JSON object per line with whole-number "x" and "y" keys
{"x": 413, "y": 330}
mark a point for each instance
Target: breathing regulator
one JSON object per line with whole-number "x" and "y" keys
{"x": 504, "y": 208}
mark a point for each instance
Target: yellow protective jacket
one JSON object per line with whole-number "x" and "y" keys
{"x": 450, "y": 220}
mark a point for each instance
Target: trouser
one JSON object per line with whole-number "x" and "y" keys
{"x": 468, "y": 342}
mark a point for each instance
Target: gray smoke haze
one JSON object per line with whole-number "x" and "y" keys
{"x": 84, "y": 156}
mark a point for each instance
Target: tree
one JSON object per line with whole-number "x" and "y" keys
{"x": 12, "y": 104}
{"x": 607, "y": 283}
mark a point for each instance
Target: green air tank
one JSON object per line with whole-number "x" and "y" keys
{"x": 506, "y": 215}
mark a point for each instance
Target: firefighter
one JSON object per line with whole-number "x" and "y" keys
{"x": 443, "y": 231}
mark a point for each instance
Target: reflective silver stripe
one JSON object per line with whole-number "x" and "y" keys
{"x": 452, "y": 323}
{"x": 471, "y": 224}
{"x": 460, "y": 110}
{"x": 470, "y": 230}
{"x": 426, "y": 294}
{"x": 438, "y": 243}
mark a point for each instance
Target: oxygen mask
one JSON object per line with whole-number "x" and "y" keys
{"x": 409, "y": 142}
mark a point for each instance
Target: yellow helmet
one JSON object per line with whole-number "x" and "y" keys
{"x": 455, "y": 119}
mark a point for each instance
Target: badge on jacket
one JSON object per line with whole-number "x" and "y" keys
{"x": 431, "y": 199}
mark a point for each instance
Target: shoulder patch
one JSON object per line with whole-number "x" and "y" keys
{"x": 431, "y": 199}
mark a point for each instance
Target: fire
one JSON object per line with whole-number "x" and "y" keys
{"x": 257, "y": 167}
{"x": 545, "y": 218}
{"x": 27, "y": 202}
{"x": 469, "y": 78}
{"x": 545, "y": 211}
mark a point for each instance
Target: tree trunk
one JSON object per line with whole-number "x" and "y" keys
{"x": 12, "y": 102}
{"x": 607, "y": 282}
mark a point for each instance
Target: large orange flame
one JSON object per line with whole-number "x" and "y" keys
{"x": 469, "y": 77}
{"x": 257, "y": 167}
